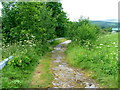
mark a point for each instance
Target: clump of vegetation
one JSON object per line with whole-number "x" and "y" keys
{"x": 18, "y": 72}
{"x": 101, "y": 58}
{"x": 19, "y": 69}
{"x": 82, "y": 32}
{"x": 26, "y": 28}
{"x": 94, "y": 50}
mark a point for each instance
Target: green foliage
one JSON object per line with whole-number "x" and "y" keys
{"x": 24, "y": 55}
{"x": 23, "y": 19}
{"x": 17, "y": 73}
{"x": 15, "y": 78}
{"x": 21, "y": 67}
{"x": 106, "y": 30}
{"x": 82, "y": 32}
{"x": 101, "y": 58}
{"x": 60, "y": 16}
{"x": 26, "y": 28}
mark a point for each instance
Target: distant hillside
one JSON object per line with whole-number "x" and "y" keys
{"x": 105, "y": 24}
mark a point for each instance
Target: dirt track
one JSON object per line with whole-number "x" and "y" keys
{"x": 66, "y": 76}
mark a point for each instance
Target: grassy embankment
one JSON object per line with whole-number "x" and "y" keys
{"x": 101, "y": 59}
{"x": 18, "y": 72}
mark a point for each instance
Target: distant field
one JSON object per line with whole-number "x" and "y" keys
{"x": 101, "y": 59}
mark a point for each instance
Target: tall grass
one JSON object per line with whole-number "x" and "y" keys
{"x": 18, "y": 72}
{"x": 101, "y": 58}
{"x": 26, "y": 57}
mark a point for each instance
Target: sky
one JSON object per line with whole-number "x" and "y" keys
{"x": 94, "y": 9}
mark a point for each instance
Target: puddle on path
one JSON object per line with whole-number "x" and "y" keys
{"x": 64, "y": 75}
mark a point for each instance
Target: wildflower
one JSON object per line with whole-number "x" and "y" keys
{"x": 113, "y": 42}
{"x": 108, "y": 46}
{"x": 20, "y": 61}
{"x": 32, "y": 36}
{"x": 27, "y": 41}
{"x": 116, "y": 46}
{"x": 34, "y": 44}
{"x": 116, "y": 58}
{"x": 111, "y": 53}
{"x": 101, "y": 44}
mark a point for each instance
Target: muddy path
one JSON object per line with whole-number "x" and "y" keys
{"x": 66, "y": 76}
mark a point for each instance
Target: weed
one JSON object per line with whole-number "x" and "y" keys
{"x": 101, "y": 58}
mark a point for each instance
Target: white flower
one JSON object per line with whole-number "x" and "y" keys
{"x": 34, "y": 44}
{"x": 101, "y": 44}
{"x": 32, "y": 36}
{"x": 116, "y": 46}
{"x": 108, "y": 46}
{"x": 113, "y": 42}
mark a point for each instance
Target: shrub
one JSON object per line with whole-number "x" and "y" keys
{"x": 82, "y": 32}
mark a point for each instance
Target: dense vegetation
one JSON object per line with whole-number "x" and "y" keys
{"x": 93, "y": 50}
{"x": 28, "y": 26}
{"x": 82, "y": 32}
{"x": 101, "y": 58}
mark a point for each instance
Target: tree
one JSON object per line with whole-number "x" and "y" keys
{"x": 82, "y": 32}
{"x": 21, "y": 20}
{"x": 60, "y": 16}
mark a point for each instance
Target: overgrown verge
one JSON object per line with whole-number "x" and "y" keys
{"x": 26, "y": 31}
{"x": 17, "y": 73}
{"x": 42, "y": 76}
{"x": 101, "y": 58}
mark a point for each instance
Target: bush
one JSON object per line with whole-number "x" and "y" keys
{"x": 86, "y": 33}
{"x": 82, "y": 32}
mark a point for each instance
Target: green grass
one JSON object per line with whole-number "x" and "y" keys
{"x": 101, "y": 58}
{"x": 42, "y": 76}
{"x": 18, "y": 72}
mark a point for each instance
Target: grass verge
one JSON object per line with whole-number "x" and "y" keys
{"x": 101, "y": 59}
{"x": 42, "y": 76}
{"x": 18, "y": 72}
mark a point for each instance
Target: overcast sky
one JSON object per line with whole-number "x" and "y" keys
{"x": 94, "y": 9}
